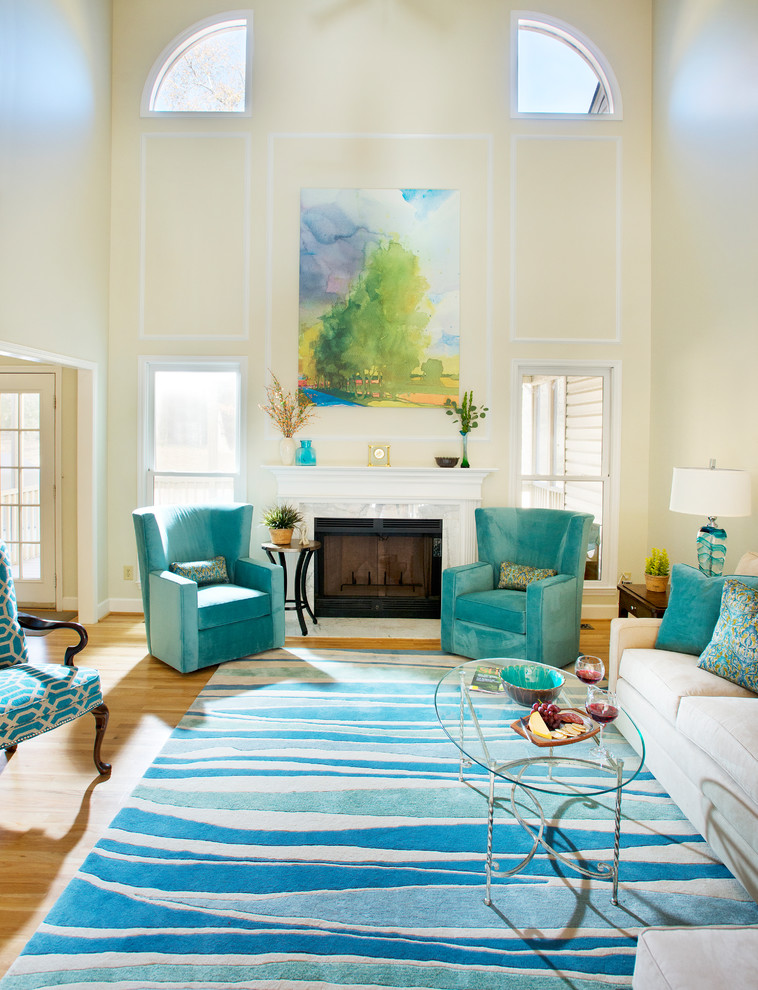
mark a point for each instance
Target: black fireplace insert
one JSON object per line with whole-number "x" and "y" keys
{"x": 378, "y": 567}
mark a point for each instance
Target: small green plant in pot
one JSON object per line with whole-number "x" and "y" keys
{"x": 281, "y": 521}
{"x": 657, "y": 568}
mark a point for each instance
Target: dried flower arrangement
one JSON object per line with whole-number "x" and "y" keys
{"x": 289, "y": 412}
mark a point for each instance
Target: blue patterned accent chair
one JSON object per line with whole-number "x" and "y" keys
{"x": 224, "y": 613}
{"x": 539, "y": 622}
{"x": 36, "y": 697}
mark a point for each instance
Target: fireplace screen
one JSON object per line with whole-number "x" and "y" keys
{"x": 378, "y": 567}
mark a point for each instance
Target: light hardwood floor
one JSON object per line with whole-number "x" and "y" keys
{"x": 53, "y": 807}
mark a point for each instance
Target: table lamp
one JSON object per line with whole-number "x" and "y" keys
{"x": 710, "y": 492}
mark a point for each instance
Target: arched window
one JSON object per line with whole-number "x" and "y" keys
{"x": 560, "y": 72}
{"x": 207, "y": 69}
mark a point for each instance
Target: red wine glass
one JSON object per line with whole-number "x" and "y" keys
{"x": 591, "y": 670}
{"x": 602, "y": 706}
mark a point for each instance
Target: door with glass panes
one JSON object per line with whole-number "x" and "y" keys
{"x": 27, "y": 483}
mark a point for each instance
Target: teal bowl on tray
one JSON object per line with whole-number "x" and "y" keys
{"x": 530, "y": 682}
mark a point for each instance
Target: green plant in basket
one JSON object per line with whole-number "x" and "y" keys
{"x": 658, "y": 562}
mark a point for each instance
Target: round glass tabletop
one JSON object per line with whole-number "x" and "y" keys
{"x": 478, "y": 715}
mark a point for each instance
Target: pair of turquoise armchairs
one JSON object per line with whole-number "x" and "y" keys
{"x": 539, "y": 622}
{"x": 36, "y": 697}
{"x": 205, "y": 600}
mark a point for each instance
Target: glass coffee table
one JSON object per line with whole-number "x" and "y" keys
{"x": 479, "y": 723}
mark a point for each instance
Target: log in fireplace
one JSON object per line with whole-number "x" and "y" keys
{"x": 378, "y": 567}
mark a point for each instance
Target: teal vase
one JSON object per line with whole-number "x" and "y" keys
{"x": 305, "y": 455}
{"x": 464, "y": 459}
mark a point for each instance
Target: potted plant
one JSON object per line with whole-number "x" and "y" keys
{"x": 468, "y": 415}
{"x": 289, "y": 412}
{"x": 281, "y": 521}
{"x": 657, "y": 569}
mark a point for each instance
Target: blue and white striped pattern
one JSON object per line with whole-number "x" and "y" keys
{"x": 304, "y": 828}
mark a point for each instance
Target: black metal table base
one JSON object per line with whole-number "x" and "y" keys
{"x": 299, "y": 603}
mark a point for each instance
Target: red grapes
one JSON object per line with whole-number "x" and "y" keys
{"x": 551, "y": 714}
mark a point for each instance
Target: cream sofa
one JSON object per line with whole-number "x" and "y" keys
{"x": 701, "y": 743}
{"x": 701, "y": 740}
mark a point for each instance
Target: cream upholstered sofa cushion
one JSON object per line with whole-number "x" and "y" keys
{"x": 748, "y": 563}
{"x": 697, "y": 958}
{"x": 727, "y": 728}
{"x": 663, "y": 678}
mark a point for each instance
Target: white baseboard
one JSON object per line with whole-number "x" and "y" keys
{"x": 600, "y": 611}
{"x": 123, "y": 605}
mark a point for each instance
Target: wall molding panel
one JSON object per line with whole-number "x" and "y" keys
{"x": 195, "y": 277}
{"x": 565, "y": 239}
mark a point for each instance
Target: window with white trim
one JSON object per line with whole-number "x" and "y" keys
{"x": 192, "y": 432}
{"x": 205, "y": 70}
{"x": 560, "y": 72}
{"x": 563, "y": 437}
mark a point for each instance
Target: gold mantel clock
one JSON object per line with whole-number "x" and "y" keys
{"x": 378, "y": 455}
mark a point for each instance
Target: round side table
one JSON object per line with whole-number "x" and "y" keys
{"x": 299, "y": 601}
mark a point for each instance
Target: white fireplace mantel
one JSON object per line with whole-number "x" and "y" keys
{"x": 450, "y": 494}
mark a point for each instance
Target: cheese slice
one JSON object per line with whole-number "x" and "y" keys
{"x": 538, "y": 727}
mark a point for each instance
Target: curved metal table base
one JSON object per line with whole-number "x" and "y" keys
{"x": 300, "y": 600}
{"x": 603, "y": 871}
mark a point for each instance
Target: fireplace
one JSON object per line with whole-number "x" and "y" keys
{"x": 378, "y": 567}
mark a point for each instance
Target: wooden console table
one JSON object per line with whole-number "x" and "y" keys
{"x": 636, "y": 600}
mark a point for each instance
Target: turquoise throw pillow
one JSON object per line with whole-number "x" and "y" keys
{"x": 12, "y": 639}
{"x": 693, "y": 609}
{"x": 518, "y": 576}
{"x": 733, "y": 651}
{"x": 202, "y": 571}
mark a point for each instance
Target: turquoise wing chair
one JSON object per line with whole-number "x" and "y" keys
{"x": 36, "y": 697}
{"x": 200, "y": 610}
{"x": 539, "y": 623}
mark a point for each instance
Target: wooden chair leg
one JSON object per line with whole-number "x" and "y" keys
{"x": 101, "y": 723}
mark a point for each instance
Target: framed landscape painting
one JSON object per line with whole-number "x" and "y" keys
{"x": 379, "y": 296}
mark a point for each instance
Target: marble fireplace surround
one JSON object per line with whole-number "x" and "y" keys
{"x": 449, "y": 494}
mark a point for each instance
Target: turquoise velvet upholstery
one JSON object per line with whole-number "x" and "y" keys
{"x": 693, "y": 609}
{"x": 479, "y": 620}
{"x": 189, "y": 627}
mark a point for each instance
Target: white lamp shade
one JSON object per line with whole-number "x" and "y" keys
{"x": 710, "y": 492}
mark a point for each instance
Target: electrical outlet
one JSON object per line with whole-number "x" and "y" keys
{"x": 626, "y": 577}
{"x": 128, "y": 572}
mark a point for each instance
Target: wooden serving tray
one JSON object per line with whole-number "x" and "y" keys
{"x": 521, "y": 725}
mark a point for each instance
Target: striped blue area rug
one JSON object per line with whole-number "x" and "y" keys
{"x": 305, "y": 827}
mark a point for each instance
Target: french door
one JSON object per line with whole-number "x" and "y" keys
{"x": 27, "y": 483}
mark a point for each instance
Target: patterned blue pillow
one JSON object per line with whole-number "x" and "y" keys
{"x": 518, "y": 576}
{"x": 12, "y": 640}
{"x": 733, "y": 651}
{"x": 203, "y": 571}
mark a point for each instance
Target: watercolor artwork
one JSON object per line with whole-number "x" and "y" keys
{"x": 379, "y": 296}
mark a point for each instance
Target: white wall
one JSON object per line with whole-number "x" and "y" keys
{"x": 705, "y": 258}
{"x": 55, "y": 59}
{"x": 390, "y": 94}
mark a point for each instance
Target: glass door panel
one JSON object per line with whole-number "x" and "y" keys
{"x": 27, "y": 473}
